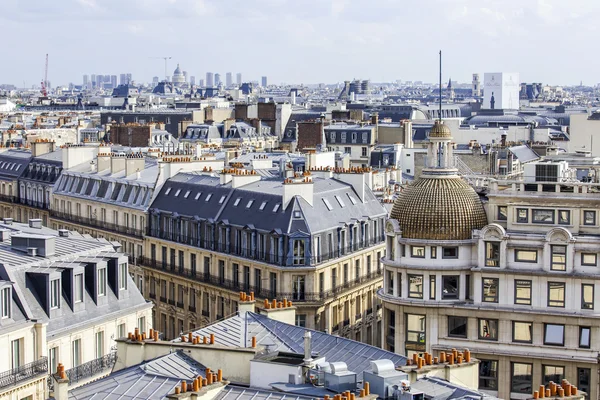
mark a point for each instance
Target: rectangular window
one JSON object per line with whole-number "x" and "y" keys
{"x": 298, "y": 252}
{"x": 542, "y": 216}
{"x": 123, "y": 276}
{"x": 554, "y": 334}
{"x": 492, "y": 254}
{"x": 488, "y": 329}
{"x": 502, "y": 213}
{"x": 432, "y": 289}
{"x": 55, "y": 293}
{"x": 522, "y": 215}
{"x": 257, "y": 279}
{"x": 417, "y": 251}
{"x": 121, "y": 331}
{"x": 521, "y": 378}
{"x": 522, "y": 292}
{"x": 415, "y": 286}
{"x": 53, "y": 359}
{"x": 583, "y": 379}
{"x": 102, "y": 282}
{"x": 587, "y": 296}
{"x": 390, "y": 285}
{"x": 298, "y": 282}
{"x": 99, "y": 344}
{"x": 78, "y": 288}
{"x": 457, "y": 326}
{"x": 449, "y": 252}
{"x": 528, "y": 256}
{"x": 415, "y": 329}
{"x": 553, "y": 373}
{"x": 6, "y": 301}
{"x": 585, "y": 337}
{"x": 558, "y": 261}
{"x": 76, "y": 352}
{"x": 488, "y": 374}
{"x": 490, "y": 290}
{"x": 556, "y": 294}
{"x": 589, "y": 217}
{"x": 564, "y": 217}
{"x": 433, "y": 252}
{"x": 522, "y": 332}
{"x": 589, "y": 259}
{"x": 450, "y": 286}
{"x": 16, "y": 347}
{"x": 142, "y": 324}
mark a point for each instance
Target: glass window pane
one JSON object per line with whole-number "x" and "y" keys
{"x": 587, "y": 296}
{"x": 556, "y": 294}
{"x": 543, "y": 216}
{"x": 450, "y": 287}
{"x": 415, "y": 288}
{"x": 589, "y": 259}
{"x": 584, "y": 337}
{"x": 522, "y": 292}
{"x": 488, "y": 374}
{"x": 526, "y": 256}
{"x": 522, "y": 378}
{"x": 492, "y": 254}
{"x": 488, "y": 329}
{"x": 457, "y": 326}
{"x": 490, "y": 290}
{"x": 522, "y": 332}
{"x": 554, "y": 334}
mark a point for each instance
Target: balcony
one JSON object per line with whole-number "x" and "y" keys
{"x": 36, "y": 369}
{"x": 192, "y": 309}
{"x": 5, "y": 198}
{"x": 95, "y": 223}
{"x": 180, "y": 304}
{"x": 260, "y": 292}
{"x": 35, "y": 204}
{"x": 93, "y": 368}
{"x": 264, "y": 256}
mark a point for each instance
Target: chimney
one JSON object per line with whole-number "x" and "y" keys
{"x": 243, "y": 177}
{"x": 134, "y": 163}
{"x": 375, "y": 119}
{"x": 103, "y": 160}
{"x": 41, "y": 147}
{"x": 35, "y": 223}
{"x": 307, "y": 346}
{"x": 292, "y": 188}
{"x": 117, "y": 163}
{"x": 227, "y": 124}
{"x": 357, "y": 179}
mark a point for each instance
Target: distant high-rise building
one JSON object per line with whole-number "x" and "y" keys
{"x": 476, "y": 88}
{"x": 201, "y": 82}
{"x": 263, "y": 81}
{"x": 238, "y": 78}
{"x": 155, "y": 81}
{"x": 192, "y": 80}
{"x": 86, "y": 81}
{"x": 228, "y": 79}
{"x": 113, "y": 81}
{"x": 125, "y": 79}
{"x": 92, "y": 80}
{"x": 210, "y": 79}
{"x": 185, "y": 76}
{"x": 217, "y": 79}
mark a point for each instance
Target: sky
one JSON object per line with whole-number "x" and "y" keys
{"x": 301, "y": 41}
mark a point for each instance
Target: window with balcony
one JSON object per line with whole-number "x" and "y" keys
{"x": 492, "y": 254}
{"x": 521, "y": 378}
{"x": 522, "y": 292}
{"x": 522, "y": 332}
{"x": 76, "y": 352}
{"x": 556, "y": 294}
{"x": 415, "y": 286}
{"x": 450, "y": 287}
{"x": 488, "y": 329}
{"x": 558, "y": 261}
{"x": 99, "y": 344}
{"x": 299, "y": 287}
{"x": 457, "y": 326}
{"x": 298, "y": 246}
{"x": 554, "y": 334}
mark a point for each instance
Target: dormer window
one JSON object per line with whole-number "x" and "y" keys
{"x": 123, "y": 276}
{"x": 55, "y": 294}
{"x": 78, "y": 289}
{"x": 5, "y": 303}
{"x": 102, "y": 282}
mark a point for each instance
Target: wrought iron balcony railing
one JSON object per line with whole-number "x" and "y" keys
{"x": 24, "y": 373}
{"x": 92, "y": 368}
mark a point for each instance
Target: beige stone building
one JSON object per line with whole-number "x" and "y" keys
{"x": 516, "y": 285}
{"x": 315, "y": 242}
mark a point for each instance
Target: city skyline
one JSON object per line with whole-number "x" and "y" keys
{"x": 389, "y": 42}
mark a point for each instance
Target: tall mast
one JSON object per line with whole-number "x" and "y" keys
{"x": 440, "y": 87}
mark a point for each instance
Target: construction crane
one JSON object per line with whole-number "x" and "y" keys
{"x": 45, "y": 81}
{"x": 166, "y": 60}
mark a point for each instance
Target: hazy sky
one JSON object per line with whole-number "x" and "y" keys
{"x": 301, "y": 41}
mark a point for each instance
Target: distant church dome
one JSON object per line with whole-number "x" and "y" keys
{"x": 178, "y": 77}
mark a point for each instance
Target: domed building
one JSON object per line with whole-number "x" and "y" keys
{"x": 178, "y": 77}
{"x": 513, "y": 278}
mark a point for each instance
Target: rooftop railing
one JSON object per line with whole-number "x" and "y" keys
{"x": 95, "y": 223}
{"x": 92, "y": 368}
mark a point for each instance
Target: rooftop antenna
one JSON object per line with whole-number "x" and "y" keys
{"x": 440, "y": 87}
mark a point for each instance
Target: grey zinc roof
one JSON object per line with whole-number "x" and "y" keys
{"x": 152, "y": 380}
{"x": 524, "y": 153}
{"x": 232, "y": 392}
{"x": 13, "y": 163}
{"x": 238, "y": 330}
{"x": 439, "y": 389}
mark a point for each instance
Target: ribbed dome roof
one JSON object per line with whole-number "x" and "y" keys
{"x": 444, "y": 208}
{"x": 440, "y": 130}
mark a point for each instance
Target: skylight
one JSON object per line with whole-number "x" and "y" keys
{"x": 168, "y": 191}
{"x": 262, "y": 206}
{"x": 237, "y": 201}
{"x": 340, "y": 201}
{"x": 187, "y": 194}
{"x": 198, "y": 195}
{"x": 177, "y": 192}
{"x": 249, "y": 204}
{"x": 276, "y": 207}
{"x": 208, "y": 196}
{"x": 352, "y": 199}
{"x": 327, "y": 204}
{"x": 222, "y": 199}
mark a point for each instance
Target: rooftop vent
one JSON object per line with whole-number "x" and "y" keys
{"x": 35, "y": 223}
{"x": 8, "y": 221}
{"x": 63, "y": 232}
{"x": 32, "y": 251}
{"x": 4, "y": 235}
